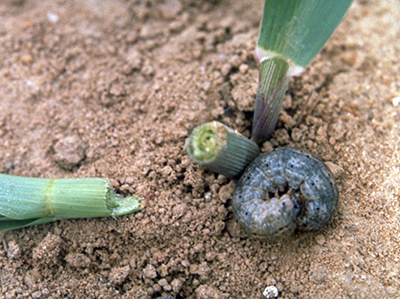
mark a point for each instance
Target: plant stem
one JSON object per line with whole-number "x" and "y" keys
{"x": 28, "y": 201}
{"x": 221, "y": 149}
{"x": 272, "y": 87}
{"x": 292, "y": 32}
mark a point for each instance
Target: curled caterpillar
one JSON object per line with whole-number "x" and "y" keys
{"x": 282, "y": 190}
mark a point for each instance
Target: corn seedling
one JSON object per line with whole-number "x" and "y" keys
{"x": 292, "y": 33}
{"x": 30, "y": 201}
{"x": 221, "y": 149}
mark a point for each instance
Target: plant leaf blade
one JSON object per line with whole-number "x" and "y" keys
{"x": 298, "y": 29}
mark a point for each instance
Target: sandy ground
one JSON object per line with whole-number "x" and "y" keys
{"x": 107, "y": 88}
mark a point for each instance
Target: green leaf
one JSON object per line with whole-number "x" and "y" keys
{"x": 8, "y": 224}
{"x": 298, "y": 29}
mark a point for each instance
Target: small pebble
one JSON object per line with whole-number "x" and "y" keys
{"x": 164, "y": 283}
{"x": 320, "y": 240}
{"x": 150, "y": 272}
{"x": 27, "y": 59}
{"x": 336, "y": 170}
{"x": 69, "y": 152}
{"x": 118, "y": 275}
{"x": 52, "y": 17}
{"x": 396, "y": 101}
{"x": 13, "y": 250}
{"x": 243, "y": 68}
{"x": 270, "y": 292}
{"x": 170, "y": 9}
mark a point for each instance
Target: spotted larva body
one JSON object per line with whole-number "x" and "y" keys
{"x": 282, "y": 190}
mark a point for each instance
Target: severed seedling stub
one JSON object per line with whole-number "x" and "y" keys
{"x": 28, "y": 201}
{"x": 284, "y": 190}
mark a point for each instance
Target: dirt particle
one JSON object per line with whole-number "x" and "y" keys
{"x": 166, "y": 171}
{"x": 77, "y": 260}
{"x": 69, "y": 152}
{"x": 46, "y": 253}
{"x": 150, "y": 272}
{"x": 225, "y": 192}
{"x": 179, "y": 210}
{"x": 320, "y": 239}
{"x": 137, "y": 291}
{"x": 244, "y": 91}
{"x": 234, "y": 229}
{"x": 134, "y": 60}
{"x": 336, "y": 170}
{"x": 270, "y": 292}
{"x": 114, "y": 183}
{"x": 165, "y": 285}
{"x": 226, "y": 68}
{"x": 170, "y": 9}
{"x": 119, "y": 274}
{"x": 267, "y": 147}
{"x": 13, "y": 250}
{"x": 27, "y": 59}
{"x": 349, "y": 57}
{"x": 282, "y": 136}
{"x": 243, "y": 68}
{"x": 37, "y": 294}
{"x": 29, "y": 280}
{"x": 132, "y": 36}
{"x": 296, "y": 134}
{"x": 209, "y": 292}
{"x": 163, "y": 270}
{"x": 176, "y": 284}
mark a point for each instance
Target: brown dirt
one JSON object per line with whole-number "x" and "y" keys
{"x": 107, "y": 88}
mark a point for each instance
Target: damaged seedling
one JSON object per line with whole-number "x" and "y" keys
{"x": 28, "y": 201}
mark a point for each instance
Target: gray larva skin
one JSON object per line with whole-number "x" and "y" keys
{"x": 308, "y": 204}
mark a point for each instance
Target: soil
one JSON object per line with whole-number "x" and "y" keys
{"x": 108, "y": 88}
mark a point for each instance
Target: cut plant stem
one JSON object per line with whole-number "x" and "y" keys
{"x": 293, "y": 31}
{"x": 29, "y": 201}
{"x": 272, "y": 87}
{"x": 221, "y": 149}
